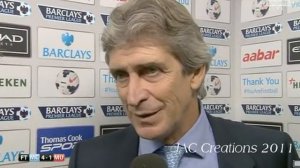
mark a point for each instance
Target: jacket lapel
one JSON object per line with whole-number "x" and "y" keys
{"x": 223, "y": 137}
{"x": 129, "y": 147}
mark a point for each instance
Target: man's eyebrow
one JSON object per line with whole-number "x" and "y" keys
{"x": 151, "y": 64}
{"x": 139, "y": 66}
{"x": 115, "y": 70}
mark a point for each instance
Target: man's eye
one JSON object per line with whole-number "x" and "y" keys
{"x": 151, "y": 71}
{"x": 120, "y": 77}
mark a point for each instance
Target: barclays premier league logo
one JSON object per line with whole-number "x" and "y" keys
{"x": 295, "y": 109}
{"x": 217, "y": 108}
{"x": 294, "y": 24}
{"x": 67, "y": 82}
{"x": 263, "y": 30}
{"x": 113, "y": 110}
{"x": 14, "y": 113}
{"x": 61, "y": 112}
{"x": 15, "y": 8}
{"x": 105, "y": 19}
{"x": 263, "y": 109}
{"x": 214, "y": 33}
{"x": 66, "y": 15}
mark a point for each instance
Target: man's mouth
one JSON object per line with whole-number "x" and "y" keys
{"x": 146, "y": 114}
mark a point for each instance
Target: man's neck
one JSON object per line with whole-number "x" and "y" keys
{"x": 189, "y": 119}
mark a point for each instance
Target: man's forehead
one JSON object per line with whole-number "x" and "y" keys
{"x": 138, "y": 57}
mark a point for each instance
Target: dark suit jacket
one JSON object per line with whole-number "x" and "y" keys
{"x": 118, "y": 149}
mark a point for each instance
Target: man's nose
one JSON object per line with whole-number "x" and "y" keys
{"x": 137, "y": 91}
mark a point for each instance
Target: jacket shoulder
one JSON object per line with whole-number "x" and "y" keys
{"x": 112, "y": 142}
{"x": 248, "y": 133}
{"x": 264, "y": 147}
{"x": 115, "y": 149}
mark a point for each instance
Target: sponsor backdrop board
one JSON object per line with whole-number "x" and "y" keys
{"x": 15, "y": 40}
{"x": 113, "y": 110}
{"x": 9, "y": 149}
{"x": 261, "y": 85}
{"x": 216, "y": 11}
{"x": 107, "y": 84}
{"x": 293, "y": 84}
{"x": 15, "y": 8}
{"x": 294, "y": 24}
{"x": 66, "y": 112}
{"x": 295, "y": 109}
{"x": 61, "y": 140}
{"x": 72, "y": 16}
{"x": 293, "y": 50}
{"x": 265, "y": 30}
{"x": 216, "y": 108}
{"x": 267, "y": 51}
{"x": 15, "y": 113}
{"x": 66, "y": 82}
{"x": 217, "y": 85}
{"x": 263, "y": 109}
{"x": 255, "y": 10}
{"x": 65, "y": 45}
{"x": 220, "y": 56}
{"x": 261, "y": 55}
{"x": 15, "y": 81}
{"x": 105, "y": 19}
{"x": 215, "y": 33}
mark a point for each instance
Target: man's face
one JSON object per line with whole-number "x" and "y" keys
{"x": 158, "y": 97}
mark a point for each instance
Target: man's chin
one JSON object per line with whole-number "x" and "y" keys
{"x": 148, "y": 133}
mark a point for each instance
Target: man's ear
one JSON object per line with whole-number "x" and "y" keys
{"x": 198, "y": 77}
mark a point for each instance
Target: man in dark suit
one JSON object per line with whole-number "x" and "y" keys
{"x": 158, "y": 58}
{"x": 118, "y": 149}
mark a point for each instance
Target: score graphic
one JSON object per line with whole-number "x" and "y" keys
{"x": 41, "y": 157}
{"x": 46, "y": 157}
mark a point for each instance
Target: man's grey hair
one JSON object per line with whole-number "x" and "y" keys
{"x": 162, "y": 22}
